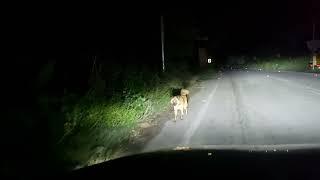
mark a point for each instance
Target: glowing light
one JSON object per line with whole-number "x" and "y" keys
{"x": 182, "y": 148}
{"x": 209, "y": 60}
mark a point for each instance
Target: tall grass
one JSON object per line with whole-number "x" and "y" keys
{"x": 281, "y": 63}
{"x": 105, "y": 122}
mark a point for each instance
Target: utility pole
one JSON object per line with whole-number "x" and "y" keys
{"x": 162, "y": 44}
{"x": 314, "y": 56}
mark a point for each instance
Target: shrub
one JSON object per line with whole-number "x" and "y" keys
{"x": 94, "y": 121}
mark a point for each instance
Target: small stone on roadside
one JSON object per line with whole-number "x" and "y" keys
{"x": 144, "y": 125}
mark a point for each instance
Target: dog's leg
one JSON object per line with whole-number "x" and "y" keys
{"x": 186, "y": 111}
{"x": 181, "y": 113}
{"x": 175, "y": 114}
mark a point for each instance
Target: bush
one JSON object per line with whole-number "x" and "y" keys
{"x": 283, "y": 63}
{"x": 95, "y": 121}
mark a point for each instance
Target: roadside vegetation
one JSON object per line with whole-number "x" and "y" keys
{"x": 281, "y": 63}
{"x": 274, "y": 63}
{"x": 97, "y": 125}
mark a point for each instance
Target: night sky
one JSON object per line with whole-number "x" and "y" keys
{"x": 232, "y": 27}
{"x": 261, "y": 25}
{"x": 131, "y": 34}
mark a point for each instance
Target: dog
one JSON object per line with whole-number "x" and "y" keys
{"x": 180, "y": 103}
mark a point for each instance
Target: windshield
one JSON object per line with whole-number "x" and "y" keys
{"x": 86, "y": 88}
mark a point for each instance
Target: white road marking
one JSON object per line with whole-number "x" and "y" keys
{"x": 196, "y": 122}
{"x": 314, "y": 92}
{"x": 313, "y": 89}
{"x": 310, "y": 89}
{"x": 279, "y": 79}
{"x": 262, "y": 147}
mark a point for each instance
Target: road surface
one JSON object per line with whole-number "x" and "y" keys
{"x": 247, "y": 108}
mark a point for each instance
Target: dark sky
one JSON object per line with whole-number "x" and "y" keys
{"x": 131, "y": 34}
{"x": 231, "y": 26}
{"x": 257, "y": 25}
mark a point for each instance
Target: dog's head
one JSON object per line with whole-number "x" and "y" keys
{"x": 184, "y": 92}
{"x": 174, "y": 100}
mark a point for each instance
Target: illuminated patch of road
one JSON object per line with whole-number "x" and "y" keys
{"x": 308, "y": 88}
{"x": 195, "y": 124}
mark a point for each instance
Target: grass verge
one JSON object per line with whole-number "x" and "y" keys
{"x": 299, "y": 64}
{"x": 96, "y": 128}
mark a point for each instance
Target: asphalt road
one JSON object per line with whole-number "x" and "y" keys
{"x": 247, "y": 108}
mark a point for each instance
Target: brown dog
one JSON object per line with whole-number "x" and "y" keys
{"x": 180, "y": 103}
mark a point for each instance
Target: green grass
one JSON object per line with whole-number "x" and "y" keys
{"x": 92, "y": 122}
{"x": 283, "y": 63}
